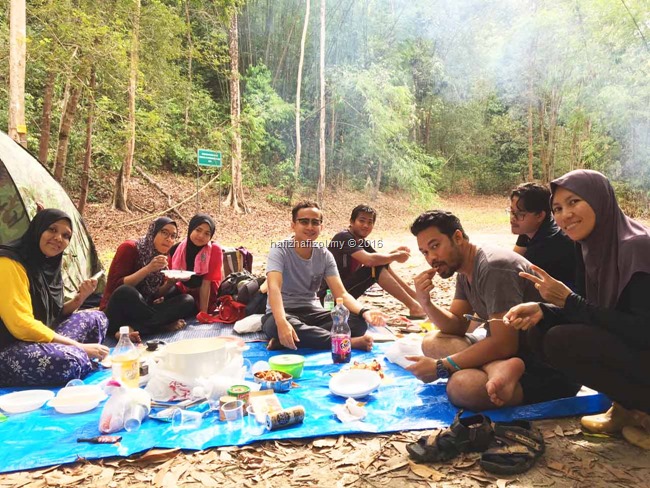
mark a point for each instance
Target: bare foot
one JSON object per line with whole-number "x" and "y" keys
{"x": 174, "y": 326}
{"x": 504, "y": 377}
{"x": 363, "y": 343}
{"x": 417, "y": 313}
{"x": 134, "y": 335}
{"x": 274, "y": 344}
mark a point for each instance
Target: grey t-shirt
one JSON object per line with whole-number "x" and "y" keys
{"x": 301, "y": 278}
{"x": 496, "y": 285}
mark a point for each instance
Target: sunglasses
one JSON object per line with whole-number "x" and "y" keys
{"x": 306, "y": 222}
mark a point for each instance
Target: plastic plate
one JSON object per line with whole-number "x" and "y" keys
{"x": 24, "y": 401}
{"x": 355, "y": 383}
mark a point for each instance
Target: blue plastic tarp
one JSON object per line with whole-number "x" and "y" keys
{"x": 45, "y": 437}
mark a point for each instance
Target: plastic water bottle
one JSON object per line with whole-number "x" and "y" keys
{"x": 126, "y": 360}
{"x": 341, "y": 336}
{"x": 328, "y": 301}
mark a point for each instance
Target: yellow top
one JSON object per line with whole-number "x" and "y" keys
{"x": 16, "y": 309}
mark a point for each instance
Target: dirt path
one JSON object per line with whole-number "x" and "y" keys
{"x": 571, "y": 458}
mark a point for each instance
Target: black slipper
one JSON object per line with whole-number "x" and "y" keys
{"x": 517, "y": 446}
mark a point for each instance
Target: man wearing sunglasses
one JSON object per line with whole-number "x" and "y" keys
{"x": 295, "y": 269}
{"x": 360, "y": 265}
{"x": 540, "y": 240}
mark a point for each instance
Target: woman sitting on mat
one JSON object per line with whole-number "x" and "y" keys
{"x": 197, "y": 253}
{"x": 43, "y": 341}
{"x": 599, "y": 336}
{"x": 137, "y": 293}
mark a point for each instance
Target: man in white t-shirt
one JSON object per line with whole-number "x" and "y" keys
{"x": 295, "y": 269}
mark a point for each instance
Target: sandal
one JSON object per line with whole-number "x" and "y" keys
{"x": 518, "y": 446}
{"x": 470, "y": 434}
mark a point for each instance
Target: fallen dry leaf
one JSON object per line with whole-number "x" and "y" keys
{"x": 558, "y": 431}
{"x": 156, "y": 455}
{"x": 425, "y": 471}
{"x": 325, "y": 442}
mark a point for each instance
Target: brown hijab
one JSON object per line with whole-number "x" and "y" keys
{"x": 618, "y": 246}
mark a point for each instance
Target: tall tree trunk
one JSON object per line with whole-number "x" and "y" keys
{"x": 120, "y": 196}
{"x": 322, "y": 161}
{"x": 17, "y": 58}
{"x": 298, "y": 84}
{"x": 190, "y": 49}
{"x": 530, "y": 139}
{"x": 284, "y": 53}
{"x": 555, "y": 102}
{"x": 542, "y": 140}
{"x": 46, "y": 118}
{"x": 85, "y": 173}
{"x": 64, "y": 133}
{"x": 235, "y": 198}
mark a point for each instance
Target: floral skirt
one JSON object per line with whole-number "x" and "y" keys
{"x": 50, "y": 363}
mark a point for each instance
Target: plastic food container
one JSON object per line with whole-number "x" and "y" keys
{"x": 281, "y": 384}
{"x": 24, "y": 401}
{"x": 77, "y": 399}
{"x": 289, "y": 363}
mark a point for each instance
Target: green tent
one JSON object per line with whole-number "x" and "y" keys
{"x": 23, "y": 183}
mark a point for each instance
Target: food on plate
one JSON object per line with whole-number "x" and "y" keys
{"x": 271, "y": 375}
{"x": 374, "y": 365}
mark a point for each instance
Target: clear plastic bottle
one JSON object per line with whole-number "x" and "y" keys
{"x": 341, "y": 336}
{"x": 126, "y": 360}
{"x": 328, "y": 301}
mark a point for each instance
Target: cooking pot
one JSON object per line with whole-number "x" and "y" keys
{"x": 202, "y": 357}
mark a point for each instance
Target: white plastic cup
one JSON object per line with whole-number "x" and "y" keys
{"x": 74, "y": 382}
{"x": 134, "y": 416}
{"x": 186, "y": 419}
{"x": 233, "y": 410}
{"x": 256, "y": 422}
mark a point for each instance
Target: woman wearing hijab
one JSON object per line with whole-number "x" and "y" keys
{"x": 599, "y": 336}
{"x": 43, "y": 342}
{"x": 198, "y": 253}
{"x": 136, "y": 290}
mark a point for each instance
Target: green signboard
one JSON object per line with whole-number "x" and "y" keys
{"x": 206, "y": 157}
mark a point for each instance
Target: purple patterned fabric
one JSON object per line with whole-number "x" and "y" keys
{"x": 49, "y": 363}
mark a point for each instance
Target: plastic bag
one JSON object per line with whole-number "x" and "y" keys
{"x": 252, "y": 323}
{"x": 125, "y": 406}
{"x": 410, "y": 345}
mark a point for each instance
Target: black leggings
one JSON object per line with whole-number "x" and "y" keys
{"x": 598, "y": 359}
{"x": 127, "y": 306}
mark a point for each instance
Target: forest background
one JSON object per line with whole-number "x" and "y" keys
{"x": 419, "y": 96}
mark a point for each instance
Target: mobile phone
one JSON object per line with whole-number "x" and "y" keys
{"x": 97, "y": 275}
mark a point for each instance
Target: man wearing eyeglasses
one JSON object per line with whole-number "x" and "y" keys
{"x": 295, "y": 269}
{"x": 360, "y": 265}
{"x": 540, "y": 240}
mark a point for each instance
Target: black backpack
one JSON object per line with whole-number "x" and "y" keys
{"x": 242, "y": 286}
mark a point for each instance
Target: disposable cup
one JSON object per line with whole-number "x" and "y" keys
{"x": 233, "y": 410}
{"x": 256, "y": 423}
{"x": 186, "y": 419}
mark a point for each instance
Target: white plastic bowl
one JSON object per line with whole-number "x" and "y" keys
{"x": 355, "y": 383}
{"x": 74, "y": 403}
{"x": 177, "y": 274}
{"x": 24, "y": 401}
{"x": 77, "y": 399}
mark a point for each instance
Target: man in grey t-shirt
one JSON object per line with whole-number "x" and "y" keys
{"x": 295, "y": 269}
{"x": 499, "y": 370}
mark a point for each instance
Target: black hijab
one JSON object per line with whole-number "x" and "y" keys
{"x": 617, "y": 247}
{"x": 146, "y": 252}
{"x": 191, "y": 250}
{"x": 45, "y": 282}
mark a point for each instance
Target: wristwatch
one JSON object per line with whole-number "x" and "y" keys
{"x": 441, "y": 371}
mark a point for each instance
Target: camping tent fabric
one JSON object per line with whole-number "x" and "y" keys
{"x": 23, "y": 183}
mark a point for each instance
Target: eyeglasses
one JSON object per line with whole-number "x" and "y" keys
{"x": 306, "y": 222}
{"x": 168, "y": 235}
{"x": 516, "y": 215}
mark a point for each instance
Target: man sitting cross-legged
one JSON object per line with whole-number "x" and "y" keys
{"x": 295, "y": 269}
{"x": 360, "y": 265}
{"x": 497, "y": 371}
